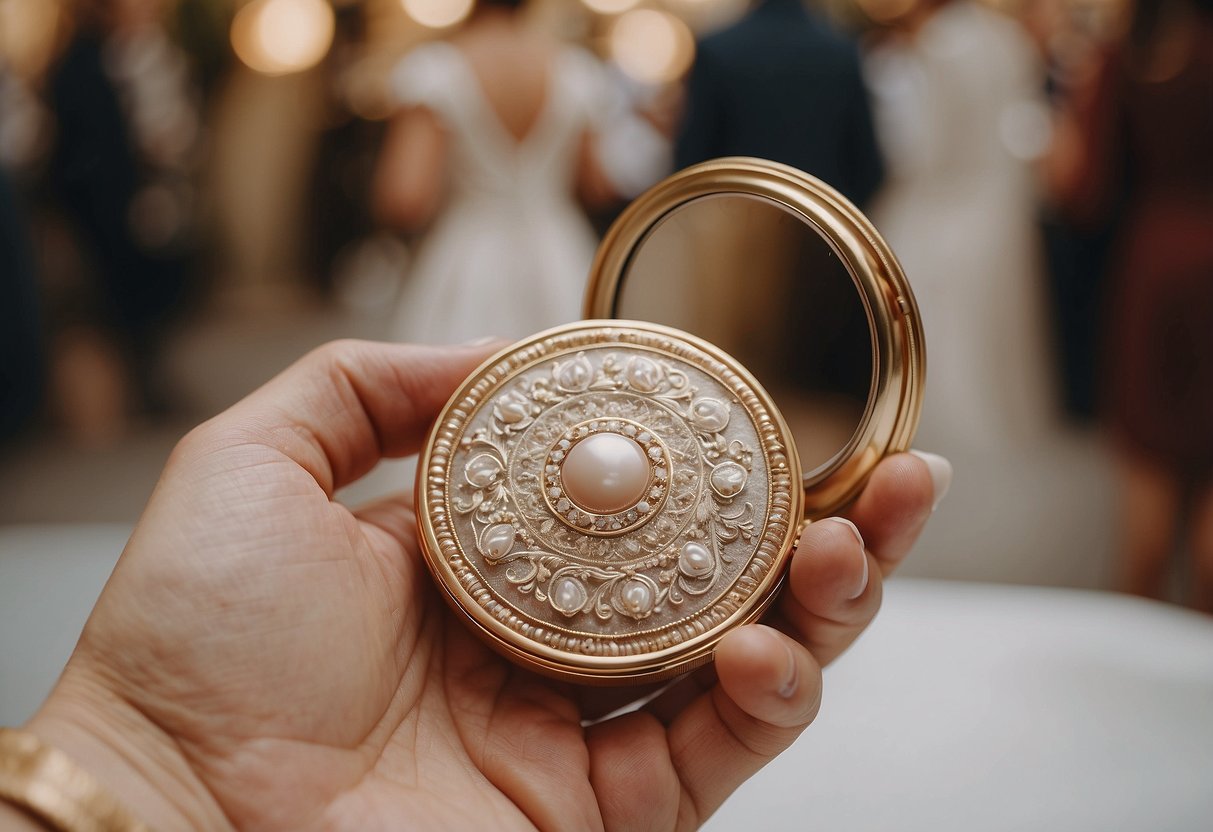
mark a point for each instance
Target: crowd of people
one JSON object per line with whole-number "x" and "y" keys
{"x": 1041, "y": 171}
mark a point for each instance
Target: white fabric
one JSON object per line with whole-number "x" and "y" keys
{"x": 1032, "y": 498}
{"x": 959, "y": 210}
{"x": 982, "y": 708}
{"x": 511, "y": 250}
{"x": 50, "y": 577}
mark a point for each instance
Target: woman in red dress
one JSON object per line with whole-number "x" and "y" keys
{"x": 1144, "y": 140}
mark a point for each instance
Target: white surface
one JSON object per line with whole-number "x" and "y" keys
{"x": 965, "y": 707}
{"x": 975, "y": 707}
{"x": 50, "y": 577}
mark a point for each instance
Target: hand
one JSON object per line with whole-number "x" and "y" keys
{"x": 265, "y": 658}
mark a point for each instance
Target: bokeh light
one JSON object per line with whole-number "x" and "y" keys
{"x": 437, "y": 14}
{"x": 651, "y": 46}
{"x": 276, "y": 37}
{"x": 27, "y": 34}
{"x": 609, "y": 6}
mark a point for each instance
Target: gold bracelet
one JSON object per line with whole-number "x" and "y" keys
{"x": 45, "y": 782}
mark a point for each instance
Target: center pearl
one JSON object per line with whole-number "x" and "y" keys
{"x": 605, "y": 473}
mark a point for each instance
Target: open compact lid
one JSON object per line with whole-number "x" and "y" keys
{"x": 603, "y": 501}
{"x": 784, "y": 274}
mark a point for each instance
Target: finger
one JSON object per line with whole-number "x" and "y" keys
{"x": 677, "y": 697}
{"x": 633, "y": 777}
{"x": 833, "y": 592}
{"x": 769, "y": 691}
{"x": 834, "y": 582}
{"x": 342, "y": 407}
{"x": 896, "y": 502}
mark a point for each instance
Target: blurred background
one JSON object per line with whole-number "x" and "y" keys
{"x": 195, "y": 192}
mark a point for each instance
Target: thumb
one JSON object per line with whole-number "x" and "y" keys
{"x": 340, "y": 409}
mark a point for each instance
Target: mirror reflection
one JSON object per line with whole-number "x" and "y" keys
{"x": 756, "y": 280}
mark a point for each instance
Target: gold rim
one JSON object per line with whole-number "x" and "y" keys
{"x": 899, "y": 360}
{"x": 471, "y": 598}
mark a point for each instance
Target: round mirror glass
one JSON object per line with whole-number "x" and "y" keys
{"x": 755, "y": 279}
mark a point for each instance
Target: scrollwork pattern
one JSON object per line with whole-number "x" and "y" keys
{"x": 680, "y": 554}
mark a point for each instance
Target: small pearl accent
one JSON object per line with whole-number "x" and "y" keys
{"x": 482, "y": 469}
{"x": 696, "y": 560}
{"x": 497, "y": 540}
{"x": 605, "y": 473}
{"x": 569, "y": 595}
{"x": 728, "y": 479}
{"x": 637, "y": 598}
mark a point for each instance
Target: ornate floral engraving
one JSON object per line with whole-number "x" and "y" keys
{"x": 690, "y": 548}
{"x": 604, "y": 565}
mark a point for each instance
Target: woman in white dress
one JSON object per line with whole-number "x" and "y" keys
{"x": 494, "y": 147}
{"x": 958, "y": 102}
{"x": 959, "y": 109}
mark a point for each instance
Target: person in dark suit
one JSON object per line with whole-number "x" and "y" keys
{"x": 22, "y": 373}
{"x": 782, "y": 85}
{"x": 122, "y": 178}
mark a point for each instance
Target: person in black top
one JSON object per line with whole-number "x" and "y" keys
{"x": 22, "y": 370}
{"x": 120, "y": 175}
{"x": 782, "y": 85}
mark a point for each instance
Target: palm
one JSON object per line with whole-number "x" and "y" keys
{"x": 350, "y": 673}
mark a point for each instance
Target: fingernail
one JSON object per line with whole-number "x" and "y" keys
{"x": 481, "y": 342}
{"x": 854, "y": 529}
{"x": 863, "y": 555}
{"x": 941, "y": 474}
{"x": 792, "y": 678}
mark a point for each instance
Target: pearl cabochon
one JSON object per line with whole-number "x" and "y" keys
{"x": 605, "y": 473}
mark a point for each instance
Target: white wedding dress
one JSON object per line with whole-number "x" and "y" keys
{"x": 955, "y": 110}
{"x": 511, "y": 249}
{"x": 960, "y": 113}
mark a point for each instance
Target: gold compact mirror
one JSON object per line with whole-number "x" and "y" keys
{"x": 604, "y": 500}
{"x": 783, "y": 273}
